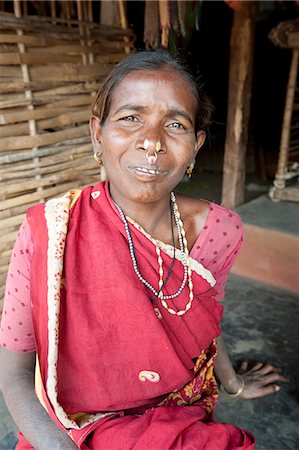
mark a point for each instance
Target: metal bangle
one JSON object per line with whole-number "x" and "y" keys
{"x": 239, "y": 391}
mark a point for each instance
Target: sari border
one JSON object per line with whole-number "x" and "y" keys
{"x": 57, "y": 212}
{"x": 57, "y": 217}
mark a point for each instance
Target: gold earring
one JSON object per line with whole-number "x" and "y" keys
{"x": 189, "y": 170}
{"x": 98, "y": 157}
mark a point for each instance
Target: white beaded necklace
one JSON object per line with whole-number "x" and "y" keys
{"x": 185, "y": 261}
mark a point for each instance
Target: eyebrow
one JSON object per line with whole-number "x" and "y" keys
{"x": 178, "y": 112}
{"x": 140, "y": 108}
{"x": 131, "y": 106}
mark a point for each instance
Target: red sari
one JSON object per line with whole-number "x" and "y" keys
{"x": 115, "y": 369}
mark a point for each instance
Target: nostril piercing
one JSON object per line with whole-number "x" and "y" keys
{"x": 158, "y": 146}
{"x": 146, "y": 144}
{"x": 151, "y": 157}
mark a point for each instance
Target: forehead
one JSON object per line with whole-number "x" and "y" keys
{"x": 165, "y": 86}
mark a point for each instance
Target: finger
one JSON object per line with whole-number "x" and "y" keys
{"x": 254, "y": 369}
{"x": 243, "y": 368}
{"x": 262, "y": 392}
{"x": 257, "y": 366}
{"x": 272, "y": 378}
{"x": 268, "y": 368}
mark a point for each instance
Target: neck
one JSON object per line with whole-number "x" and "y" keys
{"x": 154, "y": 217}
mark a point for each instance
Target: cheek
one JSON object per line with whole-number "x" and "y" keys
{"x": 114, "y": 137}
{"x": 185, "y": 150}
{"x": 114, "y": 145}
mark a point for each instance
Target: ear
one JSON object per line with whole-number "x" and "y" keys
{"x": 96, "y": 133}
{"x": 200, "y": 139}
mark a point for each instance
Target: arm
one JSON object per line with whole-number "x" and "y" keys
{"x": 17, "y": 385}
{"x": 259, "y": 381}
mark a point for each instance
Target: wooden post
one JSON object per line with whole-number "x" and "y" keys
{"x": 279, "y": 182}
{"x": 239, "y": 96}
{"x": 123, "y": 21}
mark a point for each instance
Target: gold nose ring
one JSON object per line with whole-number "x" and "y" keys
{"x": 158, "y": 145}
{"x": 151, "y": 157}
{"x": 146, "y": 144}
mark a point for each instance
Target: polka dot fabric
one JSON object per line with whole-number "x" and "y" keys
{"x": 218, "y": 244}
{"x": 16, "y": 331}
{"x": 215, "y": 248}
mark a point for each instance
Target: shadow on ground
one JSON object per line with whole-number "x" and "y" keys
{"x": 262, "y": 324}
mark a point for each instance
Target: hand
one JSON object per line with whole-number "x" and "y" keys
{"x": 261, "y": 380}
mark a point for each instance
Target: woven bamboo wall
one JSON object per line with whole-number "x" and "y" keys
{"x": 49, "y": 72}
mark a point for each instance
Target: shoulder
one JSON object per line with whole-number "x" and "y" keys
{"x": 200, "y": 211}
{"x": 225, "y": 215}
{"x": 70, "y": 198}
{"x": 194, "y": 213}
{"x": 192, "y": 207}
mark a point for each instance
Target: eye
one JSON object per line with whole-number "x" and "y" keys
{"x": 129, "y": 119}
{"x": 177, "y": 126}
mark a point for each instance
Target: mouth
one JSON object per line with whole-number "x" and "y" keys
{"x": 145, "y": 171}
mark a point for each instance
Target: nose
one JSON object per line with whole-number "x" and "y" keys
{"x": 151, "y": 145}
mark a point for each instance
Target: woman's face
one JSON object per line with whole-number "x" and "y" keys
{"x": 152, "y": 105}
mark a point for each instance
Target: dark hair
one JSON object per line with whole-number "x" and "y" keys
{"x": 152, "y": 60}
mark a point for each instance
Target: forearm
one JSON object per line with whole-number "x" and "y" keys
{"x": 31, "y": 418}
{"x": 224, "y": 369}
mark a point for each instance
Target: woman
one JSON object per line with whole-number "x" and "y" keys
{"x": 123, "y": 286}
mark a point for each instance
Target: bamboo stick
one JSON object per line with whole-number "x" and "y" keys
{"x": 70, "y": 118}
{"x": 17, "y": 100}
{"x": 16, "y": 86}
{"x": 46, "y": 112}
{"x": 45, "y": 165}
{"x": 73, "y": 72}
{"x": 8, "y": 59}
{"x": 67, "y": 72}
{"x": 11, "y": 71}
{"x": 5, "y": 240}
{"x": 19, "y": 157}
{"x": 11, "y": 221}
{"x": 26, "y": 76}
{"x": 14, "y": 130}
{"x": 68, "y": 13}
{"x": 35, "y": 196}
{"x": 25, "y": 7}
{"x": 38, "y": 41}
{"x": 43, "y": 24}
{"x": 5, "y": 260}
{"x": 16, "y": 211}
{"x": 22, "y": 142}
{"x": 73, "y": 173}
{"x": 81, "y": 29}
{"x": 78, "y": 88}
{"x": 53, "y": 11}
{"x": 85, "y": 163}
{"x": 90, "y": 11}
{"x": 76, "y": 146}
{"x": 47, "y": 169}
{"x": 124, "y": 22}
{"x": 76, "y": 49}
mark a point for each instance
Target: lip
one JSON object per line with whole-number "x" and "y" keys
{"x": 145, "y": 171}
